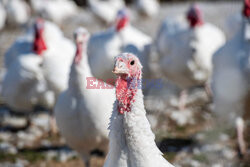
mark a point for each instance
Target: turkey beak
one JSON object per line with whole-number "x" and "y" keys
{"x": 120, "y": 68}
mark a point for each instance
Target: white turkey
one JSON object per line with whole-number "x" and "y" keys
{"x": 131, "y": 140}
{"x": 106, "y": 10}
{"x": 24, "y": 86}
{"x": 50, "y": 35}
{"x": 121, "y": 37}
{"x": 230, "y": 80}
{"x": 2, "y": 16}
{"x": 186, "y": 51}
{"x": 18, "y": 12}
{"x": 148, "y": 7}
{"x": 55, "y": 48}
{"x": 83, "y": 113}
{"x": 24, "y": 83}
{"x": 45, "y": 39}
{"x": 54, "y": 10}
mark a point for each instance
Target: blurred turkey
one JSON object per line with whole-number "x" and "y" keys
{"x": 24, "y": 85}
{"x": 131, "y": 140}
{"x": 186, "y": 51}
{"x": 104, "y": 46}
{"x": 54, "y": 10}
{"x": 106, "y": 10}
{"x": 230, "y": 80}
{"x": 55, "y": 48}
{"x": 82, "y": 113}
{"x": 18, "y": 12}
{"x": 147, "y": 7}
{"x": 24, "y": 44}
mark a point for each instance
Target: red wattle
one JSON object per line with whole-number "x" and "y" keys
{"x": 121, "y": 24}
{"x": 79, "y": 51}
{"x": 39, "y": 44}
{"x": 194, "y": 21}
{"x": 246, "y": 8}
{"x": 194, "y": 16}
{"x": 125, "y": 94}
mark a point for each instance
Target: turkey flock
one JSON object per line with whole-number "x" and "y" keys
{"x": 92, "y": 85}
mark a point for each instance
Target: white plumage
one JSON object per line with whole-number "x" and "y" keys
{"x": 122, "y": 37}
{"x": 231, "y": 69}
{"x": 186, "y": 52}
{"x": 83, "y": 114}
{"x": 18, "y": 12}
{"x": 131, "y": 139}
{"x": 57, "y": 64}
{"x": 148, "y": 7}
{"x": 54, "y": 10}
{"x": 43, "y": 41}
{"x": 230, "y": 80}
{"x": 106, "y": 10}
{"x": 24, "y": 44}
{"x": 24, "y": 85}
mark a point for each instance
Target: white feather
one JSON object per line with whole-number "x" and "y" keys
{"x": 18, "y": 12}
{"x": 54, "y": 10}
{"x": 106, "y": 10}
{"x": 83, "y": 114}
{"x": 110, "y": 44}
{"x": 186, "y": 53}
{"x": 231, "y": 76}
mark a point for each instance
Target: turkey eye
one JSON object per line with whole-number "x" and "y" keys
{"x": 132, "y": 62}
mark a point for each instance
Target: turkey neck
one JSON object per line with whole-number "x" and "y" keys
{"x": 136, "y": 138}
{"x": 80, "y": 70}
{"x": 139, "y": 136}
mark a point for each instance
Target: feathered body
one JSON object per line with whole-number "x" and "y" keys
{"x": 231, "y": 70}
{"x": 131, "y": 138}
{"x": 54, "y": 10}
{"x": 230, "y": 80}
{"x": 118, "y": 39}
{"x": 106, "y": 10}
{"x": 186, "y": 51}
{"x": 35, "y": 66}
{"x": 24, "y": 85}
{"x": 83, "y": 114}
{"x": 148, "y": 7}
{"x": 24, "y": 44}
{"x": 18, "y": 12}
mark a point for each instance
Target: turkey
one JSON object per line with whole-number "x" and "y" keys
{"x": 186, "y": 51}
{"x": 106, "y": 10}
{"x": 230, "y": 79}
{"x": 55, "y": 48}
{"x": 51, "y": 36}
{"x": 131, "y": 140}
{"x": 18, "y": 12}
{"x": 147, "y": 7}
{"x": 54, "y": 10}
{"x": 81, "y": 120}
{"x": 2, "y": 16}
{"x": 121, "y": 37}
{"x": 24, "y": 85}
{"x": 56, "y": 65}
